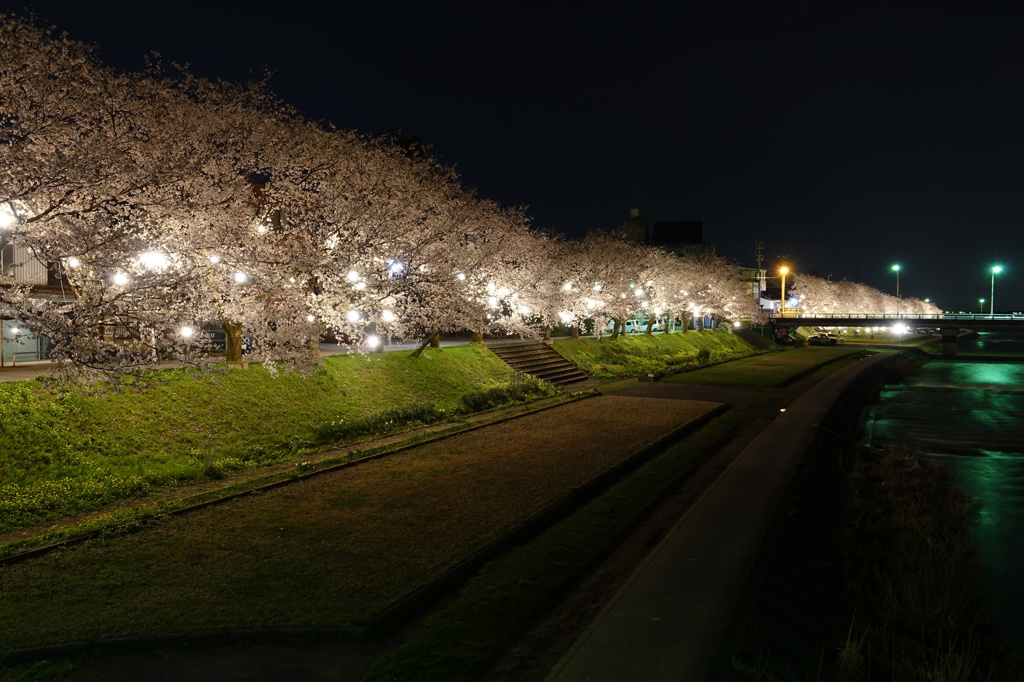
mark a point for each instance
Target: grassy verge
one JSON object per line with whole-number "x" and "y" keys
{"x": 336, "y": 550}
{"x": 66, "y": 453}
{"x": 658, "y": 354}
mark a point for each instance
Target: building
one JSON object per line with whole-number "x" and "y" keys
{"x": 21, "y": 264}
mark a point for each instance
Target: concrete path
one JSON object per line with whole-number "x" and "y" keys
{"x": 669, "y": 620}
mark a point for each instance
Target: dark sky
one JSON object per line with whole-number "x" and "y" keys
{"x": 845, "y": 136}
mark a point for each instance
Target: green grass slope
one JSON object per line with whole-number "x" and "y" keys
{"x": 65, "y": 453}
{"x": 658, "y": 354}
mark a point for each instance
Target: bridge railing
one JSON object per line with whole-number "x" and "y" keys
{"x": 894, "y": 317}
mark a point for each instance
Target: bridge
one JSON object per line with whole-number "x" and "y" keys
{"x": 949, "y": 325}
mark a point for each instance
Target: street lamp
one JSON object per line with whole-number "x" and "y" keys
{"x": 896, "y": 269}
{"x": 782, "y": 304}
{"x": 996, "y": 269}
{"x": 982, "y": 302}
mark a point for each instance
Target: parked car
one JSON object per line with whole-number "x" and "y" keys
{"x": 824, "y": 339}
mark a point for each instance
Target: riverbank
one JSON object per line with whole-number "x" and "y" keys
{"x": 869, "y": 569}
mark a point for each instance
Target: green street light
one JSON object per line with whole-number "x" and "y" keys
{"x": 982, "y": 302}
{"x": 896, "y": 268}
{"x": 996, "y": 269}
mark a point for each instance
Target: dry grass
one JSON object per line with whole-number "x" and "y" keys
{"x": 336, "y": 549}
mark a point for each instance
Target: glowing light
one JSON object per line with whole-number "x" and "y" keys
{"x": 387, "y": 316}
{"x": 359, "y": 286}
{"x": 396, "y": 268}
{"x": 214, "y": 259}
{"x": 241, "y": 277}
{"x": 352, "y": 276}
{"x": 310, "y": 318}
{"x": 565, "y": 317}
{"x": 461, "y": 277}
{"x": 372, "y": 342}
{"x": 639, "y": 293}
{"x": 353, "y": 315}
{"x": 261, "y": 228}
{"x": 597, "y": 287}
{"x": 899, "y": 329}
{"x": 6, "y": 217}
{"x": 154, "y": 260}
{"x": 120, "y": 279}
{"x": 15, "y": 330}
{"x": 492, "y": 301}
{"x": 73, "y": 262}
{"x": 187, "y": 332}
{"x": 736, "y": 324}
{"x": 567, "y": 286}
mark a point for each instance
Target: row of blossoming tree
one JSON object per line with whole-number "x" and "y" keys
{"x": 169, "y": 204}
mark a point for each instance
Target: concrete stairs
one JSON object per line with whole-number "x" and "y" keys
{"x": 540, "y": 360}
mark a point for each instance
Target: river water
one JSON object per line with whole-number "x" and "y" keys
{"x": 969, "y": 416}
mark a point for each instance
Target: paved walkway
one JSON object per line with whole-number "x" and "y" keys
{"x": 669, "y": 620}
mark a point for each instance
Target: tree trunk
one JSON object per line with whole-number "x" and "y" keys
{"x": 435, "y": 335}
{"x": 686, "y": 325}
{"x": 232, "y": 342}
{"x": 576, "y": 332}
{"x": 547, "y": 333}
{"x": 650, "y": 324}
{"x": 615, "y": 328}
{"x": 478, "y": 333}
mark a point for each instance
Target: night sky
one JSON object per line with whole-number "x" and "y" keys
{"x": 845, "y": 136}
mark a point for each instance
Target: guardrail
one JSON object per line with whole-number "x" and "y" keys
{"x": 38, "y": 353}
{"x": 891, "y": 316}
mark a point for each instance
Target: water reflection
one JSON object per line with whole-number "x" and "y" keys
{"x": 970, "y": 417}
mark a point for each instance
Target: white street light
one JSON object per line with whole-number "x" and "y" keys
{"x": 996, "y": 269}
{"x": 896, "y": 269}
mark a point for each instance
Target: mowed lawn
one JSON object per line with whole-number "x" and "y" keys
{"x": 336, "y": 549}
{"x": 765, "y": 371}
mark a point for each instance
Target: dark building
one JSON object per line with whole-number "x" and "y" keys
{"x": 676, "y": 236}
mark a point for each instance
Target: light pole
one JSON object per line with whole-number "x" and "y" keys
{"x": 982, "y": 302}
{"x": 896, "y": 269}
{"x": 782, "y": 303}
{"x": 996, "y": 269}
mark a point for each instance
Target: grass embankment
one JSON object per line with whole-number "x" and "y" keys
{"x": 334, "y": 550}
{"x": 66, "y": 453}
{"x": 658, "y": 354}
